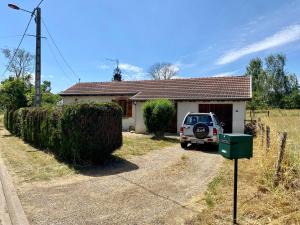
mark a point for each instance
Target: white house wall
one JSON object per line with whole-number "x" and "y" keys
{"x": 139, "y": 119}
{"x": 239, "y": 117}
{"x": 238, "y": 114}
{"x": 126, "y": 122}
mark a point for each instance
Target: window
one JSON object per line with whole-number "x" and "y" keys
{"x": 193, "y": 119}
{"x": 126, "y": 106}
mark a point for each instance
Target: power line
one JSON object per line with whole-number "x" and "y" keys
{"x": 17, "y": 49}
{"x": 60, "y": 53}
{"x": 10, "y": 36}
{"x": 39, "y": 3}
{"x": 58, "y": 63}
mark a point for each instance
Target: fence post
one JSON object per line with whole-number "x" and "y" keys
{"x": 262, "y": 126}
{"x": 276, "y": 178}
{"x": 258, "y": 124}
{"x": 268, "y": 138}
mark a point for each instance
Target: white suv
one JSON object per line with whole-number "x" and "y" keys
{"x": 200, "y": 128}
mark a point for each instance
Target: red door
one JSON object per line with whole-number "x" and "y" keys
{"x": 222, "y": 111}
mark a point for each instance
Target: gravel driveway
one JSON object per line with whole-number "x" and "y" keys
{"x": 157, "y": 188}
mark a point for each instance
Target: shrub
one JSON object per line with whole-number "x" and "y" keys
{"x": 75, "y": 133}
{"x": 158, "y": 115}
{"x": 40, "y": 127}
{"x": 9, "y": 120}
{"x": 250, "y": 128}
{"x": 90, "y": 131}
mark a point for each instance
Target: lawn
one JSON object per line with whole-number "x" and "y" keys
{"x": 28, "y": 164}
{"x": 137, "y": 144}
{"x": 259, "y": 202}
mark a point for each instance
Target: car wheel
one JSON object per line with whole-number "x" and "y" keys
{"x": 184, "y": 145}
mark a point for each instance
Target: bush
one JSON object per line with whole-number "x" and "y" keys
{"x": 40, "y": 127}
{"x": 91, "y": 131}
{"x": 158, "y": 115}
{"x": 75, "y": 133}
{"x": 250, "y": 128}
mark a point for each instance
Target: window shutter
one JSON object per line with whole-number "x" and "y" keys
{"x": 129, "y": 108}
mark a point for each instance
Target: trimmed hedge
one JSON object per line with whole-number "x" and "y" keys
{"x": 158, "y": 115}
{"x": 76, "y": 133}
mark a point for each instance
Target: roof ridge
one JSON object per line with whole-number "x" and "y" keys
{"x": 187, "y": 78}
{"x": 231, "y": 87}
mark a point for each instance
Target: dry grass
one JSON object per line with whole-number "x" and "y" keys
{"x": 137, "y": 144}
{"x": 258, "y": 201}
{"x": 28, "y": 164}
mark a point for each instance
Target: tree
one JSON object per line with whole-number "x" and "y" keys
{"x": 158, "y": 115}
{"x": 46, "y": 86}
{"x": 48, "y": 98}
{"x": 13, "y": 93}
{"x": 19, "y": 62}
{"x": 162, "y": 71}
{"x": 277, "y": 78}
{"x": 272, "y": 86}
{"x": 117, "y": 74}
{"x": 255, "y": 69}
{"x": 259, "y": 83}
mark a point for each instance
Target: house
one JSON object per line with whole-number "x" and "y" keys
{"x": 225, "y": 96}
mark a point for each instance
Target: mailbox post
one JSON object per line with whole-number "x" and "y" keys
{"x": 235, "y": 146}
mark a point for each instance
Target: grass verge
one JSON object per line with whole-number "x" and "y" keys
{"x": 258, "y": 201}
{"x": 136, "y": 144}
{"x": 28, "y": 164}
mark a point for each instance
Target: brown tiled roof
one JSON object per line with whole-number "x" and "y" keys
{"x": 212, "y": 88}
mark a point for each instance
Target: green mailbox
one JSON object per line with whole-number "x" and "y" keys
{"x": 236, "y": 146}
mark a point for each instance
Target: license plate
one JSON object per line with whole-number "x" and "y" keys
{"x": 197, "y": 142}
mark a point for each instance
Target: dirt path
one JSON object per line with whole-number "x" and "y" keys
{"x": 157, "y": 188}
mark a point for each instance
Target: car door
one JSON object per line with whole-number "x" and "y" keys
{"x": 218, "y": 126}
{"x": 188, "y": 125}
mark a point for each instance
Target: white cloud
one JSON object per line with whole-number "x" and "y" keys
{"x": 178, "y": 77}
{"x": 225, "y": 74}
{"x": 284, "y": 36}
{"x": 135, "y": 76}
{"x": 175, "y": 67}
{"x": 132, "y": 72}
{"x": 130, "y": 68}
{"x": 103, "y": 67}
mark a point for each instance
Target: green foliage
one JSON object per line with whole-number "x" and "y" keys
{"x": 91, "y": 131}
{"x": 291, "y": 101}
{"x": 19, "y": 92}
{"x": 76, "y": 133}
{"x": 13, "y": 93}
{"x": 158, "y": 115}
{"x": 48, "y": 98}
{"x": 272, "y": 86}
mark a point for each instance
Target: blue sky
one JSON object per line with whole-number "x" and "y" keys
{"x": 201, "y": 38}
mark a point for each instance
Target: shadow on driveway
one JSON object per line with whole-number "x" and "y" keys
{"x": 114, "y": 165}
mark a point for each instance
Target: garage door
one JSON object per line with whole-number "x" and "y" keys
{"x": 222, "y": 111}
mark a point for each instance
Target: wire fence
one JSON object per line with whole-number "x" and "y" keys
{"x": 277, "y": 134}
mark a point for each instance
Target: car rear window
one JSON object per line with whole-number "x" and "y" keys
{"x": 193, "y": 119}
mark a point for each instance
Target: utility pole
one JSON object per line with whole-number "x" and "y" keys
{"x": 37, "y": 13}
{"x": 38, "y": 97}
